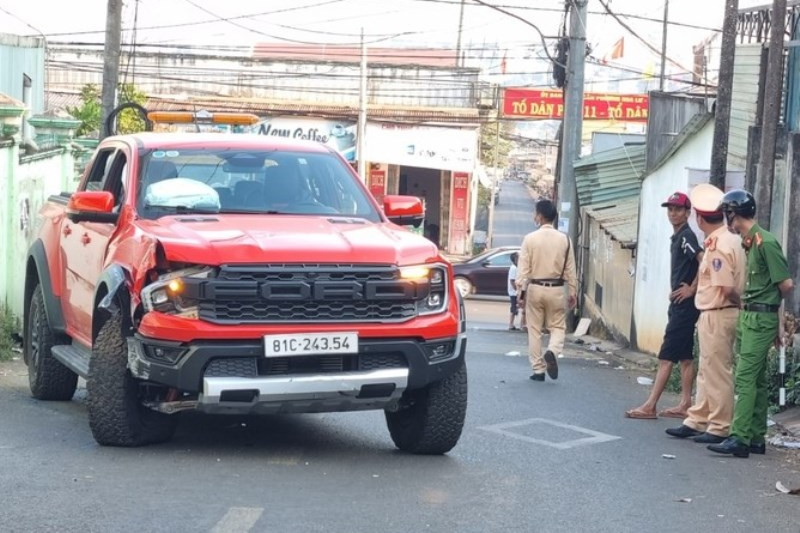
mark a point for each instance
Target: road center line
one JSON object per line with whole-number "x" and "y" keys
{"x": 238, "y": 520}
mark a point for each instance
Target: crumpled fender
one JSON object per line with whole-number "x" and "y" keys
{"x": 136, "y": 252}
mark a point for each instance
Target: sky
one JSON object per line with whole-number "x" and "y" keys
{"x": 425, "y": 23}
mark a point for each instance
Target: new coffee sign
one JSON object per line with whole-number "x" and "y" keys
{"x": 339, "y": 135}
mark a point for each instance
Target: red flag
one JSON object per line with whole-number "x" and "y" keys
{"x": 618, "y": 50}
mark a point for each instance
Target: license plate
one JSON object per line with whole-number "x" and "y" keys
{"x": 310, "y": 344}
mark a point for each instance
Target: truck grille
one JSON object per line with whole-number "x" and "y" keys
{"x": 243, "y": 311}
{"x": 274, "y": 366}
{"x": 309, "y": 293}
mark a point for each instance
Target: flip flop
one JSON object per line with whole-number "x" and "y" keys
{"x": 673, "y": 413}
{"x": 640, "y": 415}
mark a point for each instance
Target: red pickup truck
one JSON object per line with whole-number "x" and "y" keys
{"x": 240, "y": 274}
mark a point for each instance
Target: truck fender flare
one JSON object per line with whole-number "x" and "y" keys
{"x": 37, "y": 270}
{"x": 111, "y": 295}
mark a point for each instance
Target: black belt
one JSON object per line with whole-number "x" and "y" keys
{"x": 548, "y": 282}
{"x": 762, "y": 308}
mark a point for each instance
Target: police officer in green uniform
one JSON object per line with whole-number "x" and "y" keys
{"x": 768, "y": 282}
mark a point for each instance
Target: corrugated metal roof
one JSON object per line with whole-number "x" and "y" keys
{"x": 610, "y": 176}
{"x": 619, "y": 219}
{"x": 431, "y": 57}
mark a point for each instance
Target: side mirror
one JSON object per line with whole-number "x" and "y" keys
{"x": 92, "y": 206}
{"x": 403, "y": 210}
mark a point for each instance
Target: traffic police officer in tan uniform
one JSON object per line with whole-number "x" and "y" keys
{"x": 760, "y": 326}
{"x": 719, "y": 288}
{"x": 546, "y": 263}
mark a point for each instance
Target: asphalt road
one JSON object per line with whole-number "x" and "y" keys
{"x": 569, "y": 461}
{"x": 513, "y": 218}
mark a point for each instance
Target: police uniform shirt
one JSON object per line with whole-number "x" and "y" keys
{"x": 684, "y": 250}
{"x": 544, "y": 256}
{"x": 766, "y": 267}
{"x": 722, "y": 266}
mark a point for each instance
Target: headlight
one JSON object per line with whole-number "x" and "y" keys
{"x": 435, "y": 276}
{"x": 168, "y": 294}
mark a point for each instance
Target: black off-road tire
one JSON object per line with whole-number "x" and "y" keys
{"x": 116, "y": 414}
{"x": 432, "y": 423}
{"x": 48, "y": 378}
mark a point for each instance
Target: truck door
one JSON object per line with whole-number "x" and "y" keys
{"x": 85, "y": 244}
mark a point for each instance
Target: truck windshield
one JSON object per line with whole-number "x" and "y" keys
{"x": 241, "y": 181}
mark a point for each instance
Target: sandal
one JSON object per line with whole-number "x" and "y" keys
{"x": 673, "y": 412}
{"x": 638, "y": 414}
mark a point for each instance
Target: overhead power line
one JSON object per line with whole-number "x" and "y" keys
{"x": 527, "y": 22}
{"x": 208, "y": 21}
{"x": 560, "y": 10}
{"x": 286, "y": 39}
{"x": 641, "y": 39}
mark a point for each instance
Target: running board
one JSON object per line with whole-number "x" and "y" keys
{"x": 73, "y": 357}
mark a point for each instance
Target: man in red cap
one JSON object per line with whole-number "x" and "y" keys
{"x": 678, "y": 345}
{"x": 719, "y": 288}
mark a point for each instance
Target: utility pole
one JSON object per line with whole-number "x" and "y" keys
{"x": 772, "y": 109}
{"x": 664, "y": 46}
{"x": 573, "y": 120}
{"x": 459, "y": 63}
{"x": 490, "y": 237}
{"x": 362, "y": 113}
{"x": 722, "y": 117}
{"x": 111, "y": 60}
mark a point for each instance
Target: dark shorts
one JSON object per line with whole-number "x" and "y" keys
{"x": 678, "y": 342}
{"x": 514, "y": 307}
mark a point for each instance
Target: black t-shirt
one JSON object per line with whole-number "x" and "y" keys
{"x": 684, "y": 257}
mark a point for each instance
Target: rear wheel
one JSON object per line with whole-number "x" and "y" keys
{"x": 48, "y": 378}
{"x": 432, "y": 422}
{"x": 464, "y": 286}
{"x": 117, "y": 416}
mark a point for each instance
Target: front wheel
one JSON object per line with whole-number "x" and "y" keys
{"x": 464, "y": 286}
{"x": 117, "y": 416}
{"x": 432, "y": 422}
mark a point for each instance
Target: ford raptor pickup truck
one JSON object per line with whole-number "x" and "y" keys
{"x": 240, "y": 274}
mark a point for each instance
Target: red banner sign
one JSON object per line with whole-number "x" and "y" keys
{"x": 549, "y": 104}
{"x": 459, "y": 212}
{"x": 377, "y": 184}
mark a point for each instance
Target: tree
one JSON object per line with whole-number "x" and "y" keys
{"x": 90, "y": 112}
{"x": 129, "y": 120}
{"x": 489, "y": 139}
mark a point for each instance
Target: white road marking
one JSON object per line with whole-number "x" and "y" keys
{"x": 238, "y": 520}
{"x": 595, "y": 437}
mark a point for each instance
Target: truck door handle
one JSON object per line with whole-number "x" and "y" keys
{"x": 67, "y": 230}
{"x": 86, "y": 239}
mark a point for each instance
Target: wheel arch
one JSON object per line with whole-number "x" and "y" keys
{"x": 112, "y": 294}
{"x": 37, "y": 272}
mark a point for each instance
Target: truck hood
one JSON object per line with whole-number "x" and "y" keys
{"x": 235, "y": 238}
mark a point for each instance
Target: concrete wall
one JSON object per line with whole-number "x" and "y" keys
{"x": 608, "y": 270}
{"x": 653, "y": 253}
{"x": 29, "y": 182}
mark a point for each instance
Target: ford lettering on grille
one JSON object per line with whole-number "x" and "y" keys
{"x": 343, "y": 290}
{"x": 300, "y": 293}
